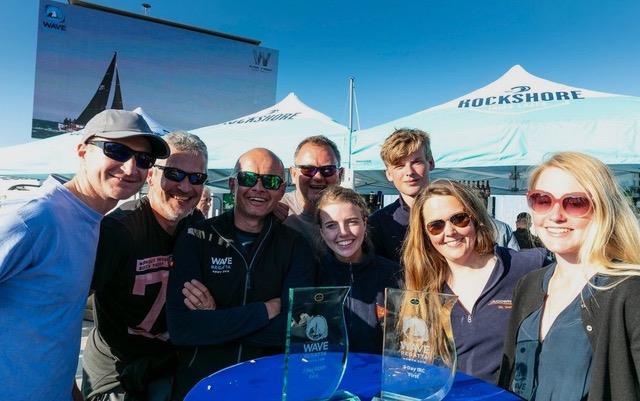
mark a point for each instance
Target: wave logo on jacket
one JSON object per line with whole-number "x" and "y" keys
{"x": 221, "y": 265}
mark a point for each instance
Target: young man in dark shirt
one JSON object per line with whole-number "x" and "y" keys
{"x": 248, "y": 261}
{"x": 406, "y": 154}
{"x": 128, "y": 353}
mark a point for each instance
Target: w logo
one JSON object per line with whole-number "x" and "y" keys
{"x": 260, "y": 58}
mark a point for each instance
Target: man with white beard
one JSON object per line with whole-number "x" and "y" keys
{"x": 128, "y": 353}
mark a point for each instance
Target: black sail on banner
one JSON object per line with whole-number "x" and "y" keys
{"x": 117, "y": 95}
{"x": 99, "y": 101}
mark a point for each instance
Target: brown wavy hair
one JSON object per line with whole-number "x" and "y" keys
{"x": 424, "y": 267}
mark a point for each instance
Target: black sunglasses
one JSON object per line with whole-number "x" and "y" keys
{"x": 177, "y": 175}
{"x": 269, "y": 181}
{"x": 325, "y": 171}
{"x": 460, "y": 220}
{"x": 122, "y": 153}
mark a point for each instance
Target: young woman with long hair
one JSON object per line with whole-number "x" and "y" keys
{"x": 346, "y": 258}
{"x": 575, "y": 330}
{"x": 450, "y": 249}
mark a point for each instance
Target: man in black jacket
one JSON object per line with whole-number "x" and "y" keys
{"x": 247, "y": 261}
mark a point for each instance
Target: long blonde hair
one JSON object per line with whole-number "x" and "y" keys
{"x": 612, "y": 240}
{"x": 424, "y": 267}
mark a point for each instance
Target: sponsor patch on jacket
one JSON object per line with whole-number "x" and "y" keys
{"x": 221, "y": 265}
{"x": 155, "y": 262}
{"x": 196, "y": 233}
{"x": 501, "y": 303}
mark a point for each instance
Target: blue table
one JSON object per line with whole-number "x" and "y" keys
{"x": 261, "y": 379}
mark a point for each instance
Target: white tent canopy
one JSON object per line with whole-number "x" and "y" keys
{"x": 279, "y": 128}
{"x": 491, "y": 133}
{"x": 52, "y": 155}
{"x": 514, "y": 121}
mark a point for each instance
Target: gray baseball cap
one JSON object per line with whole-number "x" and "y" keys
{"x": 118, "y": 124}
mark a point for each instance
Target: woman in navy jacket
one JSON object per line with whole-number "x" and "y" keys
{"x": 347, "y": 259}
{"x": 450, "y": 249}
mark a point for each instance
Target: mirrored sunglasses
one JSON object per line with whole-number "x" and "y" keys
{"x": 177, "y": 175}
{"x": 460, "y": 220}
{"x": 269, "y": 181}
{"x": 325, "y": 171}
{"x": 576, "y": 204}
{"x": 122, "y": 153}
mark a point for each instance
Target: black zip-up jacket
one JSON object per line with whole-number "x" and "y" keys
{"x": 367, "y": 279}
{"x": 239, "y": 328}
{"x": 611, "y": 320}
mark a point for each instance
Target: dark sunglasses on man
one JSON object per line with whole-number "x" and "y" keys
{"x": 177, "y": 175}
{"x": 269, "y": 181}
{"x": 122, "y": 153}
{"x": 326, "y": 171}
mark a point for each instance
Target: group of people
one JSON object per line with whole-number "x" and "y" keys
{"x": 179, "y": 296}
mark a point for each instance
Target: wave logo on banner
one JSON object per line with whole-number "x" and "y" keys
{"x": 53, "y": 18}
{"x": 520, "y": 94}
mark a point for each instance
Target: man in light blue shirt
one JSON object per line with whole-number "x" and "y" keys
{"x": 47, "y": 253}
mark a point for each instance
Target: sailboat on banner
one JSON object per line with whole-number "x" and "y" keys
{"x": 99, "y": 101}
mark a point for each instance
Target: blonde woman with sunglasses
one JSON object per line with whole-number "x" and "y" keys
{"x": 575, "y": 330}
{"x": 450, "y": 249}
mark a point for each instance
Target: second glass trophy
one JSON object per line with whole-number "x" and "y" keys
{"x": 419, "y": 354}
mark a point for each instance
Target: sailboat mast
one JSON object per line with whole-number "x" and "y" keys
{"x": 351, "y": 90}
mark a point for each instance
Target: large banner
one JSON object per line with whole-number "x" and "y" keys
{"x": 94, "y": 58}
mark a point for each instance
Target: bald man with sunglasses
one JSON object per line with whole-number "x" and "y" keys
{"x": 129, "y": 354}
{"x": 247, "y": 260}
{"x": 47, "y": 253}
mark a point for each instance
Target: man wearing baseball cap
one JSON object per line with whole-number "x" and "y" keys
{"x": 48, "y": 251}
{"x": 128, "y": 354}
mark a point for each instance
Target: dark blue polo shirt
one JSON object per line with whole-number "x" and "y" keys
{"x": 387, "y": 229}
{"x": 479, "y": 333}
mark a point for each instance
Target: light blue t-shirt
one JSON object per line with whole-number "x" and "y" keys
{"x": 47, "y": 252}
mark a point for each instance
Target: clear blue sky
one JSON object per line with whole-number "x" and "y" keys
{"x": 405, "y": 56}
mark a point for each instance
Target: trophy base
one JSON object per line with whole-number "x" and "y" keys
{"x": 344, "y": 395}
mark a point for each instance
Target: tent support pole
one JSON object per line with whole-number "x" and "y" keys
{"x": 351, "y": 89}
{"x": 515, "y": 176}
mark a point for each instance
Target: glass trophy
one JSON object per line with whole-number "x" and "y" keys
{"x": 419, "y": 354}
{"x": 316, "y": 344}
